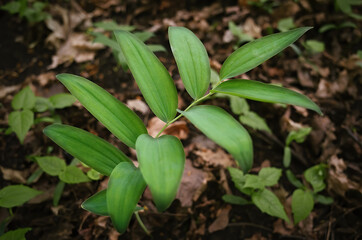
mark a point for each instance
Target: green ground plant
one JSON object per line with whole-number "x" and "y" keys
{"x": 27, "y": 106}
{"x": 10, "y": 197}
{"x": 110, "y": 26}
{"x": 32, "y": 11}
{"x": 161, "y": 159}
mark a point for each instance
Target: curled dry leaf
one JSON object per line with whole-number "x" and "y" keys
{"x": 178, "y": 129}
{"x": 15, "y": 176}
{"x": 78, "y": 47}
{"x": 338, "y": 182}
{"x": 222, "y": 219}
{"x": 138, "y": 105}
{"x": 193, "y": 183}
{"x": 215, "y": 159}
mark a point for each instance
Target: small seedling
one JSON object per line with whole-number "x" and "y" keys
{"x": 161, "y": 159}
{"x": 26, "y": 105}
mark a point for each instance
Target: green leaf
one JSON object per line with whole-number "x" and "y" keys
{"x": 20, "y": 122}
{"x": 223, "y": 129}
{"x": 58, "y": 191}
{"x": 323, "y": 199}
{"x": 254, "y": 121}
{"x": 264, "y": 92}
{"x": 72, "y": 175}
{"x": 268, "y": 203}
{"x": 235, "y": 199}
{"x": 238, "y": 105}
{"x": 88, "y": 148}
{"x": 256, "y": 52}
{"x": 93, "y": 174}
{"x": 315, "y": 176}
{"x": 97, "y": 203}
{"x": 156, "y": 48}
{"x": 113, "y": 26}
{"x": 293, "y": 179}
{"x": 25, "y": 99}
{"x": 16, "y": 195}
{"x": 298, "y": 136}
{"x": 12, "y": 7}
{"x": 18, "y": 234}
{"x": 143, "y": 36}
{"x": 125, "y": 188}
{"x": 42, "y": 104}
{"x": 151, "y": 76}
{"x": 62, "y": 100}
{"x": 314, "y": 46}
{"x": 192, "y": 60}
{"x": 114, "y": 115}
{"x": 162, "y": 162}
{"x": 285, "y": 24}
{"x": 51, "y": 165}
{"x": 254, "y": 182}
{"x": 287, "y": 157}
{"x": 270, "y": 175}
{"x": 302, "y": 204}
{"x": 238, "y": 177}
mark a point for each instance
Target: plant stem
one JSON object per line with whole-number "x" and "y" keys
{"x": 141, "y": 224}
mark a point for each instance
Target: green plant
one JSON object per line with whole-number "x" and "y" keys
{"x": 161, "y": 159}
{"x": 110, "y": 26}
{"x": 26, "y": 104}
{"x": 67, "y": 174}
{"x": 238, "y": 32}
{"x": 33, "y": 12}
{"x": 346, "y": 7}
{"x": 14, "y": 196}
{"x": 331, "y": 26}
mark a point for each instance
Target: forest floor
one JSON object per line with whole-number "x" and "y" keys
{"x": 32, "y": 54}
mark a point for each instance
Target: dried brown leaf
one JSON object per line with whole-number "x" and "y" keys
{"x": 222, "y": 219}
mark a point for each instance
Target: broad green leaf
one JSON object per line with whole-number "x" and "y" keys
{"x": 323, "y": 199}
{"x": 315, "y": 176}
{"x": 264, "y": 92}
{"x": 314, "y": 46}
{"x": 254, "y": 182}
{"x": 25, "y": 99}
{"x": 114, "y": 115}
{"x": 238, "y": 105}
{"x": 238, "y": 177}
{"x": 293, "y": 179}
{"x": 88, "y": 148}
{"x": 192, "y": 60}
{"x": 51, "y": 165}
{"x": 156, "y": 48}
{"x": 270, "y": 175}
{"x": 125, "y": 188}
{"x": 267, "y": 202}
{"x": 162, "y": 162}
{"x": 286, "y": 24}
{"x": 73, "y": 175}
{"x": 287, "y": 157}
{"x": 143, "y": 36}
{"x": 298, "y": 136}
{"x": 12, "y": 7}
{"x": 151, "y": 76}
{"x": 254, "y": 121}
{"x": 302, "y": 204}
{"x": 235, "y": 199}
{"x": 97, "y": 203}
{"x": 113, "y": 26}
{"x": 20, "y": 122}
{"x": 16, "y": 195}
{"x": 62, "y": 100}
{"x": 18, "y": 234}
{"x": 256, "y": 52}
{"x": 223, "y": 129}
{"x": 42, "y": 104}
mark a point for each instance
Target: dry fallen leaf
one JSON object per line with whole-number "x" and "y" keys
{"x": 178, "y": 129}
{"x": 215, "y": 159}
{"x": 222, "y": 219}
{"x": 15, "y": 176}
{"x": 138, "y": 105}
{"x": 338, "y": 182}
{"x": 192, "y": 184}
